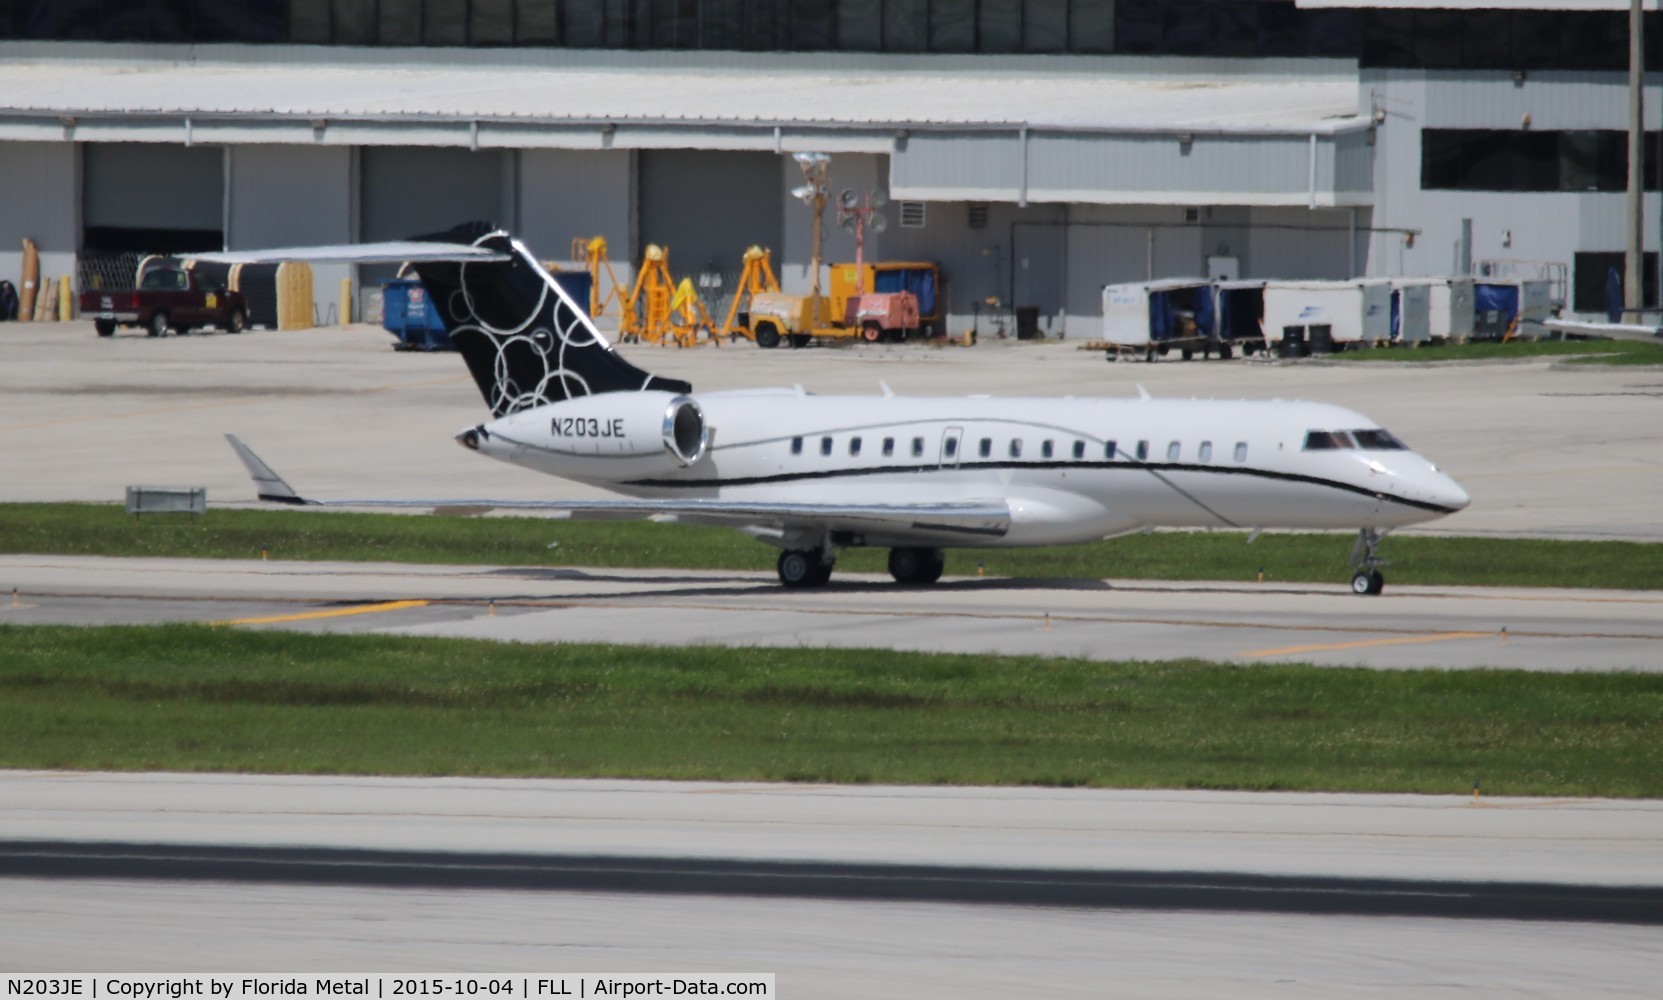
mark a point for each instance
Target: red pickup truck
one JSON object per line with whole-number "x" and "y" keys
{"x": 167, "y": 298}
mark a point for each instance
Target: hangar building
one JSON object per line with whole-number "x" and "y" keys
{"x": 1038, "y": 149}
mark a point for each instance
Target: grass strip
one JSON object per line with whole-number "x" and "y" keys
{"x": 192, "y": 698}
{"x": 96, "y": 529}
{"x": 1593, "y": 352}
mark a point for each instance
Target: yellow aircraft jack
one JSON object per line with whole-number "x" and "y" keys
{"x": 658, "y": 310}
{"x": 593, "y": 254}
{"x": 758, "y": 276}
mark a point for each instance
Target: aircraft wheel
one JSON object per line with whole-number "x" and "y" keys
{"x": 916, "y": 566}
{"x": 1368, "y": 583}
{"x": 803, "y": 569}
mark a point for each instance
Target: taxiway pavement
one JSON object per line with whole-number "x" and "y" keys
{"x": 883, "y": 892}
{"x": 1519, "y": 628}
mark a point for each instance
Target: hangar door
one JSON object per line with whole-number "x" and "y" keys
{"x": 152, "y": 198}
{"x": 410, "y": 191}
{"x": 707, "y": 208}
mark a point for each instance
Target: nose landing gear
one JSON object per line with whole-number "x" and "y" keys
{"x": 1365, "y": 563}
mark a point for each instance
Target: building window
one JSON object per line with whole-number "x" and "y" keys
{"x": 1591, "y": 270}
{"x": 1518, "y": 160}
{"x": 912, "y": 215}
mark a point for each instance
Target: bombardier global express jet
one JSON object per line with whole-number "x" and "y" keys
{"x": 812, "y": 475}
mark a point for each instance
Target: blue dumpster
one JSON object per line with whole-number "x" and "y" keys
{"x": 407, "y": 313}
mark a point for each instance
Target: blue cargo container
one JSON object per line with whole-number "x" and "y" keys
{"x": 407, "y": 311}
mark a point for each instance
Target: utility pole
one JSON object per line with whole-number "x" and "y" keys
{"x": 1634, "y": 258}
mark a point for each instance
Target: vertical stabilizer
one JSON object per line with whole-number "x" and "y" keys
{"x": 526, "y": 342}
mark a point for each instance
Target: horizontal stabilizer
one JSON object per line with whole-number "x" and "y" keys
{"x": 267, "y": 483}
{"x": 399, "y": 252}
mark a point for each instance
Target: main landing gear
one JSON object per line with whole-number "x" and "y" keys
{"x": 1365, "y": 563}
{"x": 813, "y": 567}
{"x": 916, "y": 566}
{"x": 804, "y": 568}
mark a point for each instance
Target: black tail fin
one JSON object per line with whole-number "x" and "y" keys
{"x": 524, "y": 339}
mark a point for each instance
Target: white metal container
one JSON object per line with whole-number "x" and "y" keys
{"x": 1126, "y": 313}
{"x": 1413, "y": 309}
{"x": 1343, "y": 312}
{"x": 1452, "y": 308}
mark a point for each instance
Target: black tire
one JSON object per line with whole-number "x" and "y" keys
{"x": 871, "y": 332}
{"x": 1368, "y": 584}
{"x": 800, "y": 340}
{"x": 916, "y": 566}
{"x": 1225, "y": 353}
{"x": 798, "y": 568}
{"x": 105, "y": 327}
{"x": 158, "y": 324}
{"x": 767, "y": 335}
{"x": 237, "y": 322}
{"x": 1187, "y": 353}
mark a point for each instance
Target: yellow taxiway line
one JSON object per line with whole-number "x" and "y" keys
{"x": 1328, "y": 647}
{"x": 361, "y": 609}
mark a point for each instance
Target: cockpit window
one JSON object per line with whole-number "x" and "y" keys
{"x": 1327, "y": 440}
{"x": 1378, "y": 439}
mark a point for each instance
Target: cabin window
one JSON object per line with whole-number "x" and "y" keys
{"x": 1108, "y": 450}
{"x": 1079, "y": 450}
{"x": 1143, "y": 451}
{"x": 1206, "y": 453}
{"x": 1326, "y": 440}
{"x": 1045, "y": 448}
{"x": 854, "y": 446}
{"x": 1241, "y": 451}
{"x": 888, "y": 447}
{"x": 1378, "y": 439}
{"x": 1016, "y": 447}
{"x": 917, "y": 447}
{"x": 1172, "y": 452}
{"x": 825, "y": 446}
{"x": 951, "y": 446}
{"x": 986, "y": 448}
{"x": 796, "y": 446}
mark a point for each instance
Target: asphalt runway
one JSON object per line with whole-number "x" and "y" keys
{"x": 1453, "y": 627}
{"x": 886, "y": 892}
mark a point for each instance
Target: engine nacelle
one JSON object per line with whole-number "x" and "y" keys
{"x": 607, "y": 436}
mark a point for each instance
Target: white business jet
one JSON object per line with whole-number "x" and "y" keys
{"x": 812, "y": 475}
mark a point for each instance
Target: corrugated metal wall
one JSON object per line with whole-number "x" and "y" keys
{"x": 409, "y": 191}
{"x": 570, "y": 194}
{"x": 40, "y": 200}
{"x": 290, "y": 196}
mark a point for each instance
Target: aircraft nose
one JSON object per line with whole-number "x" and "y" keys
{"x": 1451, "y": 494}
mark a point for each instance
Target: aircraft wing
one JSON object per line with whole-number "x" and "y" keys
{"x": 399, "y": 252}
{"x": 980, "y": 518}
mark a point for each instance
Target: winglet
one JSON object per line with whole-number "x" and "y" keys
{"x": 268, "y": 484}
